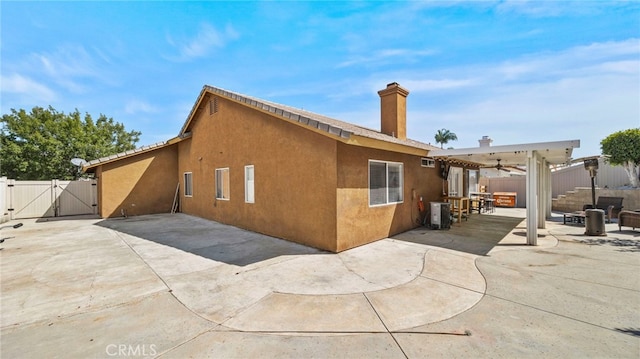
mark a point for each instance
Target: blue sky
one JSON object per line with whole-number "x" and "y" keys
{"x": 517, "y": 71}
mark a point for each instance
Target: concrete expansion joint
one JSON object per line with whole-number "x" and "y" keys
{"x": 483, "y": 293}
{"x": 168, "y": 287}
{"x": 189, "y": 340}
{"x": 386, "y": 327}
{"x": 484, "y": 278}
{"x": 571, "y": 318}
{"x": 83, "y": 311}
{"x": 241, "y": 310}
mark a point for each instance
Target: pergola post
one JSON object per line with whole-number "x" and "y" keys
{"x": 542, "y": 193}
{"x": 548, "y": 191}
{"x": 532, "y": 197}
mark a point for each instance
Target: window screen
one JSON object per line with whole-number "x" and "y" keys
{"x": 222, "y": 183}
{"x": 385, "y": 182}
{"x": 377, "y": 183}
{"x": 394, "y": 172}
{"x": 249, "y": 195}
{"x": 188, "y": 184}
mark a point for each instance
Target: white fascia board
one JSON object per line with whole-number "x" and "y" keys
{"x": 538, "y": 146}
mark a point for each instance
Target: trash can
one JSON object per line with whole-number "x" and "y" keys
{"x": 594, "y": 223}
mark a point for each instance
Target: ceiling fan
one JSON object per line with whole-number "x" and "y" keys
{"x": 499, "y": 166}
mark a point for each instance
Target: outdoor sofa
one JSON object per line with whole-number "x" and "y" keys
{"x": 610, "y": 205}
{"x": 629, "y": 219}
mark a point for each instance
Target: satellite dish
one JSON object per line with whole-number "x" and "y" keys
{"x": 78, "y": 162}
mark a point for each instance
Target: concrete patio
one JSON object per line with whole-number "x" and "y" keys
{"x": 176, "y": 286}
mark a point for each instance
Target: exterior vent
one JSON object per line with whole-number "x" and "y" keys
{"x": 213, "y": 106}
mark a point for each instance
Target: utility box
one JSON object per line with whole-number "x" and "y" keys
{"x": 440, "y": 215}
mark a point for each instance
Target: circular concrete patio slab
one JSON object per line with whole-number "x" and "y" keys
{"x": 80, "y": 287}
{"x": 251, "y": 282}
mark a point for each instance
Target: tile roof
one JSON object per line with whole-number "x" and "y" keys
{"x": 129, "y": 153}
{"x": 323, "y": 123}
{"x": 307, "y": 118}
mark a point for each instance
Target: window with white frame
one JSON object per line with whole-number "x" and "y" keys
{"x": 427, "y": 162}
{"x": 249, "y": 192}
{"x": 455, "y": 182}
{"x": 386, "y": 181}
{"x": 474, "y": 176}
{"x": 222, "y": 183}
{"x": 188, "y": 184}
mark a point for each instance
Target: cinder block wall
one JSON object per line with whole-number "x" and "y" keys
{"x": 574, "y": 200}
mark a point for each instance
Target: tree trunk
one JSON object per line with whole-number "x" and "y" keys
{"x": 633, "y": 172}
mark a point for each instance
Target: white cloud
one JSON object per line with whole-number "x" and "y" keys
{"x": 138, "y": 106}
{"x": 24, "y": 86}
{"x": 70, "y": 67}
{"x": 204, "y": 42}
{"x": 384, "y": 55}
{"x": 584, "y": 92}
{"x": 436, "y": 85}
{"x": 547, "y": 8}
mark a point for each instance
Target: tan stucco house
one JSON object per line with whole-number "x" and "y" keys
{"x": 280, "y": 171}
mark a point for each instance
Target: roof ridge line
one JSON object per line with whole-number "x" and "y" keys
{"x": 305, "y": 117}
{"x": 314, "y": 120}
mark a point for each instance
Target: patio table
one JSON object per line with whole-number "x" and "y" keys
{"x": 459, "y": 205}
{"x": 574, "y": 217}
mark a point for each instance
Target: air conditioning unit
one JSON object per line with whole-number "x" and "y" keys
{"x": 440, "y": 215}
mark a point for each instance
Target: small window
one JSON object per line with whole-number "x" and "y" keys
{"x": 222, "y": 183}
{"x": 188, "y": 184}
{"x": 428, "y": 162}
{"x": 249, "y": 194}
{"x": 385, "y": 182}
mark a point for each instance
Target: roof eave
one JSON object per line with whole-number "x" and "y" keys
{"x": 557, "y": 152}
{"x": 308, "y": 121}
{"x": 92, "y": 165}
{"x": 363, "y": 141}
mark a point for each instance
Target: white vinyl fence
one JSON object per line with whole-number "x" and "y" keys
{"x": 38, "y": 199}
{"x": 4, "y": 214}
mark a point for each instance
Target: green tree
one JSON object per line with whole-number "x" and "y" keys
{"x": 623, "y": 147}
{"x": 40, "y": 145}
{"x": 443, "y": 137}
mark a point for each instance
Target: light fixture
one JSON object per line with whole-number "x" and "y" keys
{"x": 591, "y": 165}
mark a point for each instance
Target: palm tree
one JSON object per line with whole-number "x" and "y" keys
{"x": 444, "y": 136}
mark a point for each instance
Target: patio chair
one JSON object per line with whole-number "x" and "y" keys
{"x": 610, "y": 205}
{"x": 629, "y": 219}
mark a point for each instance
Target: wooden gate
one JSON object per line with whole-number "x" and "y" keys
{"x": 36, "y": 199}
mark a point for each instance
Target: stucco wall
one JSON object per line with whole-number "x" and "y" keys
{"x": 141, "y": 184}
{"x": 295, "y": 173}
{"x": 359, "y": 223}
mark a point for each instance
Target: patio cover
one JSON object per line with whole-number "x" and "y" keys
{"x": 537, "y": 157}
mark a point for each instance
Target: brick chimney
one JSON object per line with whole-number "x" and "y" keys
{"x": 393, "y": 111}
